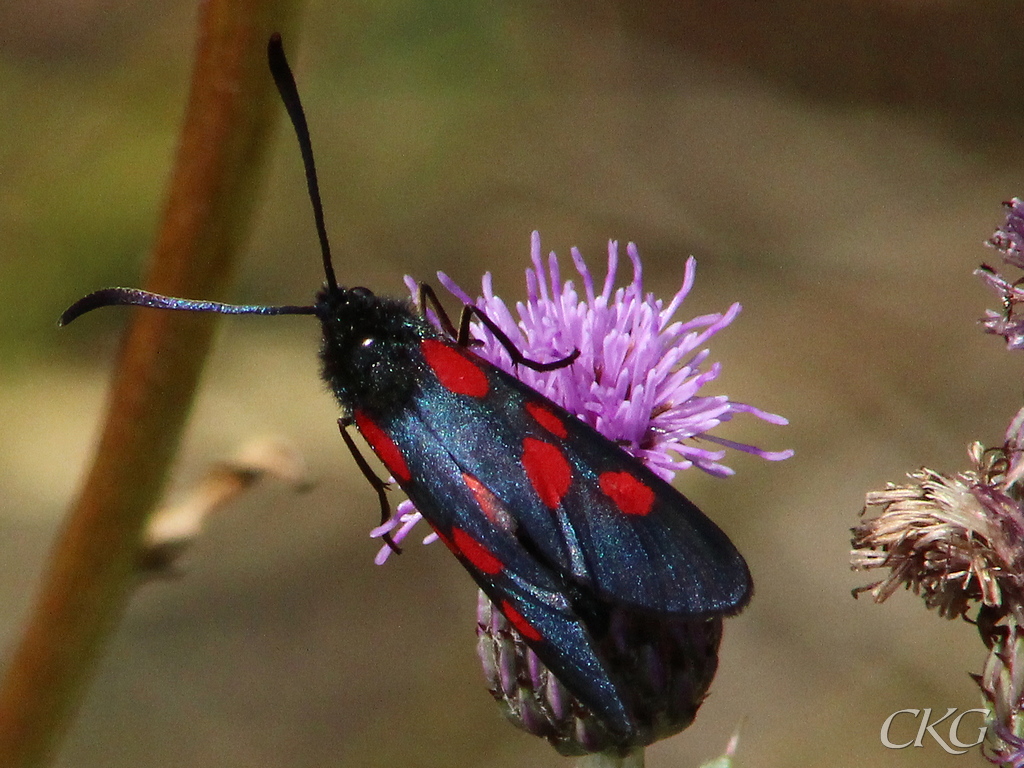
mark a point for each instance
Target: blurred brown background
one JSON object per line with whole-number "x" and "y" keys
{"x": 835, "y": 166}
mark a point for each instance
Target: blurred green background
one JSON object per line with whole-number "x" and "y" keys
{"x": 835, "y": 166}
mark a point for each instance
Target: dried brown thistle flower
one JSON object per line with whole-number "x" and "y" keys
{"x": 956, "y": 540}
{"x": 959, "y": 542}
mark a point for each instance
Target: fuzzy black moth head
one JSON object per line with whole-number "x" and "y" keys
{"x": 370, "y": 352}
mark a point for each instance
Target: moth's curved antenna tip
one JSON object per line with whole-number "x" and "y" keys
{"x": 85, "y": 304}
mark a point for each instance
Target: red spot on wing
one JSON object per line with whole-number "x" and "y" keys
{"x": 547, "y": 419}
{"x": 477, "y": 554}
{"x": 384, "y": 447}
{"x": 454, "y": 370}
{"x": 631, "y": 496}
{"x": 547, "y": 469}
{"x": 493, "y": 509}
{"x": 515, "y": 618}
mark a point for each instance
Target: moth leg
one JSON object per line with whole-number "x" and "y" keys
{"x": 463, "y": 339}
{"x": 517, "y": 357}
{"x": 426, "y": 296}
{"x": 376, "y": 483}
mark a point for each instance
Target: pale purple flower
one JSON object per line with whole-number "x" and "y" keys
{"x": 639, "y": 373}
{"x": 1009, "y": 239}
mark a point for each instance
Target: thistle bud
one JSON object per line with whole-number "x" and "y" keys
{"x": 664, "y": 666}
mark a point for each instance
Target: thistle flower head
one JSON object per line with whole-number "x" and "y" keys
{"x": 639, "y": 376}
{"x": 640, "y": 372}
{"x": 956, "y": 540}
{"x": 665, "y": 664}
{"x": 1009, "y": 240}
{"x": 959, "y": 542}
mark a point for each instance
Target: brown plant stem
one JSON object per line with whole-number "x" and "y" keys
{"x": 90, "y": 575}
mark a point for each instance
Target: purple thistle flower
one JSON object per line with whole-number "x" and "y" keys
{"x": 638, "y": 374}
{"x": 1009, "y": 239}
{"x": 1006, "y": 323}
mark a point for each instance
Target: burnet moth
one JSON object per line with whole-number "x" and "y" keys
{"x": 550, "y": 518}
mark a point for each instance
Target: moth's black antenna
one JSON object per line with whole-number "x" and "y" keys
{"x": 286, "y": 87}
{"x": 110, "y": 297}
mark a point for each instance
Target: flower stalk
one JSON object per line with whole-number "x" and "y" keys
{"x": 91, "y": 571}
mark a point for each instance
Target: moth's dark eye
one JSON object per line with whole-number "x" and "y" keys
{"x": 361, "y": 292}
